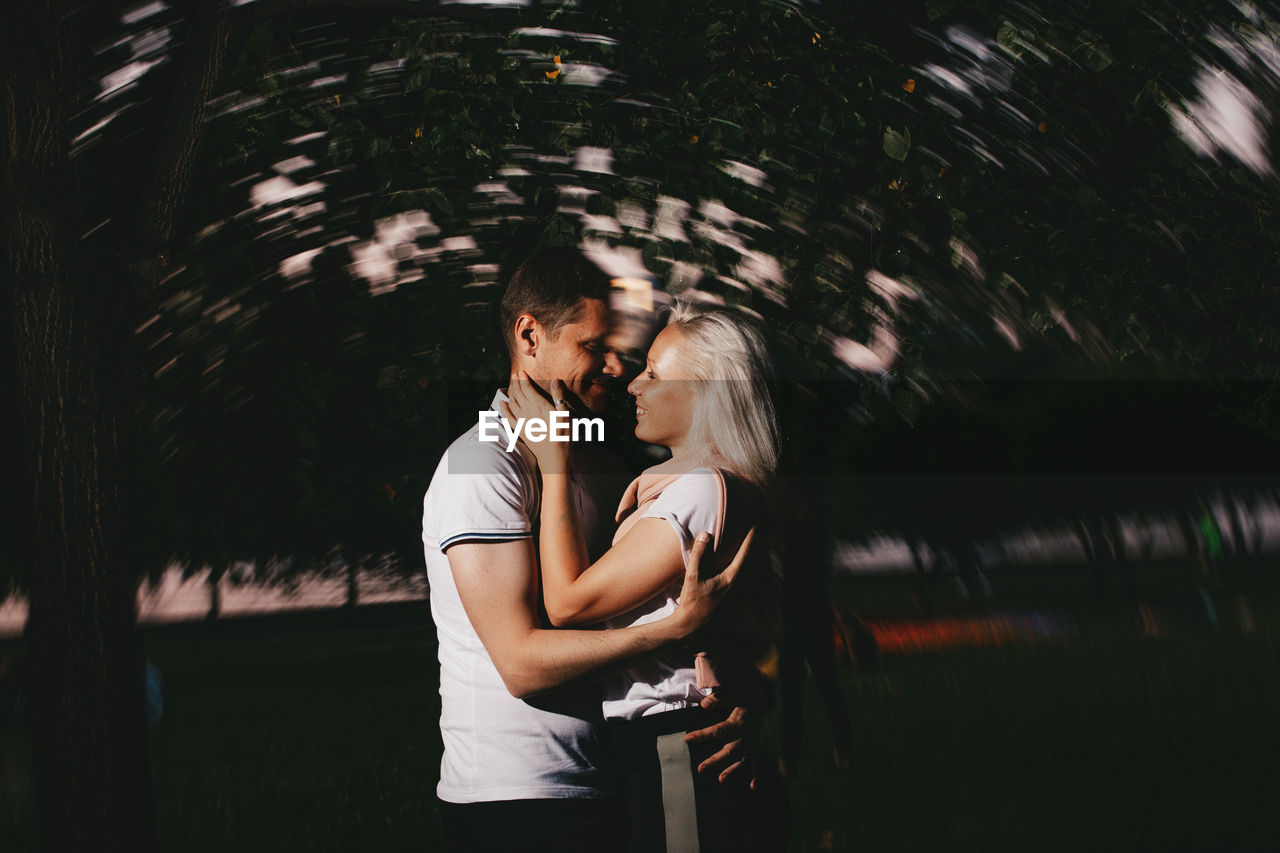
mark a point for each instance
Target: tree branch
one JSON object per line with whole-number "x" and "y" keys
{"x": 8, "y": 48}
{"x": 178, "y": 137}
{"x": 261, "y": 10}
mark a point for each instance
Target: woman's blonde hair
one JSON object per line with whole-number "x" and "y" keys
{"x": 735, "y": 417}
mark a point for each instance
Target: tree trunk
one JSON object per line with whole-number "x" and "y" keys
{"x": 1091, "y": 543}
{"x": 88, "y": 726}
{"x": 64, "y": 329}
{"x": 1120, "y": 556}
{"x": 1235, "y": 506}
{"x": 65, "y": 319}
{"x": 352, "y": 561}
{"x": 216, "y": 573}
{"x": 923, "y": 586}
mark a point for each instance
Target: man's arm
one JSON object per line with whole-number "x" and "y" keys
{"x": 497, "y": 582}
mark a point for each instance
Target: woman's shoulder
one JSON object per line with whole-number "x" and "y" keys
{"x": 714, "y": 480}
{"x": 738, "y": 502}
{"x": 705, "y": 483}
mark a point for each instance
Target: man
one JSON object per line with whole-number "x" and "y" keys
{"x": 525, "y": 764}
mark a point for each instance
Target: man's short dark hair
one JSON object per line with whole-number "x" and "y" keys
{"x": 550, "y": 285}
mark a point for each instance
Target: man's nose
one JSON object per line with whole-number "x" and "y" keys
{"x": 612, "y": 364}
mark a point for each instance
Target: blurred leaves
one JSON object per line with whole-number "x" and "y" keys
{"x": 897, "y": 143}
{"x": 1012, "y": 171}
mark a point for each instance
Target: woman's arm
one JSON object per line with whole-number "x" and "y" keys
{"x": 497, "y": 584}
{"x": 646, "y": 561}
{"x": 575, "y": 592}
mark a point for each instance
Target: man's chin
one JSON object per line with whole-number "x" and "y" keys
{"x": 595, "y": 398}
{"x": 596, "y": 406}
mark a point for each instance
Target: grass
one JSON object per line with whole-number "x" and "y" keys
{"x": 1099, "y": 745}
{"x": 313, "y": 737}
{"x": 318, "y": 732}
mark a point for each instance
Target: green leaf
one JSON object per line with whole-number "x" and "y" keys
{"x": 258, "y": 44}
{"x": 897, "y": 144}
{"x": 437, "y": 200}
{"x": 935, "y": 9}
{"x": 340, "y": 149}
{"x": 1094, "y": 53}
{"x": 825, "y": 125}
{"x": 1007, "y": 35}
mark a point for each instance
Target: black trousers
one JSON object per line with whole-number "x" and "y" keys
{"x": 534, "y": 826}
{"x": 723, "y": 817}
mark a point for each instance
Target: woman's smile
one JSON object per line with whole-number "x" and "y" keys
{"x": 664, "y": 395}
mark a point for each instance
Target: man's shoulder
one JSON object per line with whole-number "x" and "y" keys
{"x": 469, "y": 454}
{"x": 480, "y": 491}
{"x": 472, "y": 469}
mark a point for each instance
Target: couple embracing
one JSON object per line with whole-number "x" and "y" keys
{"x": 610, "y": 730}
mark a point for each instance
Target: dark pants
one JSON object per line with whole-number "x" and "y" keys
{"x": 533, "y": 826}
{"x": 724, "y": 817}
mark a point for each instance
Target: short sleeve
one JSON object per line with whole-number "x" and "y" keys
{"x": 479, "y": 493}
{"x": 691, "y": 505}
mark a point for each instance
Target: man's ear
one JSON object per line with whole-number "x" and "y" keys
{"x": 528, "y": 335}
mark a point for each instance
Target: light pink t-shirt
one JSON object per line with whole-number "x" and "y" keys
{"x": 690, "y": 505}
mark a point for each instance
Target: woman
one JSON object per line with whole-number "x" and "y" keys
{"x": 705, "y": 395}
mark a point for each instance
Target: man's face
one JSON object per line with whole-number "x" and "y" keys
{"x": 580, "y": 356}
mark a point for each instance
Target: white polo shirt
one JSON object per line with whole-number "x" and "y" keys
{"x": 497, "y": 747}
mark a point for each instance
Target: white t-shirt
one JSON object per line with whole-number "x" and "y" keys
{"x": 497, "y": 747}
{"x": 691, "y": 505}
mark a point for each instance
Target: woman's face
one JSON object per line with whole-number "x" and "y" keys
{"x": 664, "y": 393}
